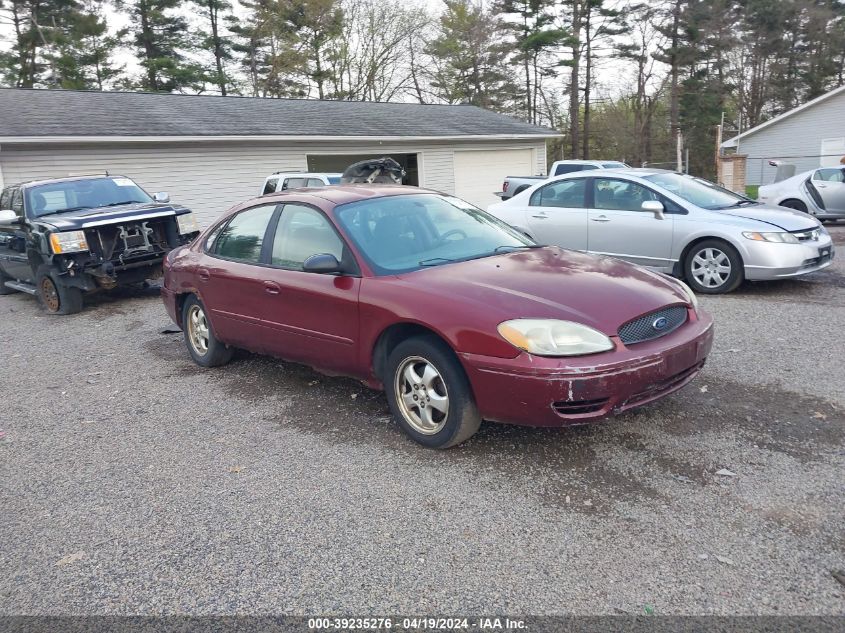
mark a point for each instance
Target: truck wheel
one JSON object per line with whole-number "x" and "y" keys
{"x": 429, "y": 393}
{"x": 203, "y": 346}
{"x": 56, "y": 297}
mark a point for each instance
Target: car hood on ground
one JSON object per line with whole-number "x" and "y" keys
{"x": 550, "y": 282}
{"x": 74, "y": 220}
{"x": 776, "y": 216}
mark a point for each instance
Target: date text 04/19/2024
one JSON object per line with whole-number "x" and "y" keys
{"x": 415, "y": 623}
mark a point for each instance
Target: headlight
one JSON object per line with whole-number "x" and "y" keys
{"x": 187, "y": 223}
{"x": 550, "y": 337}
{"x": 689, "y": 293}
{"x": 781, "y": 238}
{"x": 70, "y": 242}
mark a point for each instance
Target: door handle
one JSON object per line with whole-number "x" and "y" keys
{"x": 601, "y": 218}
{"x": 822, "y": 186}
{"x": 203, "y": 274}
{"x": 541, "y": 216}
{"x": 271, "y": 288}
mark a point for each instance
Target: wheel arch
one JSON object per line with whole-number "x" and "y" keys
{"x": 394, "y": 334}
{"x": 679, "y": 270}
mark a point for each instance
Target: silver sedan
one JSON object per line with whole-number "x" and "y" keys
{"x": 820, "y": 192}
{"x": 671, "y": 223}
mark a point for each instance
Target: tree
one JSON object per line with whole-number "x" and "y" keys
{"x": 469, "y": 57}
{"x": 159, "y": 38}
{"x": 214, "y": 41}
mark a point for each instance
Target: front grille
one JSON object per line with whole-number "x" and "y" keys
{"x": 579, "y": 407}
{"x": 645, "y": 328}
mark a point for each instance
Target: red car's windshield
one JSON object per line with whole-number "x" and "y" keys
{"x": 405, "y": 233}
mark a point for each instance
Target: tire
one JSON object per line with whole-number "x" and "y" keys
{"x": 203, "y": 345}
{"x": 707, "y": 262}
{"x": 797, "y": 205}
{"x": 520, "y": 190}
{"x": 425, "y": 367}
{"x": 4, "y": 290}
{"x": 54, "y": 296}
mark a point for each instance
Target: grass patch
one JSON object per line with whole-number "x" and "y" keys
{"x": 751, "y": 191}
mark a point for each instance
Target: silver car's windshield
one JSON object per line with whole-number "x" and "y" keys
{"x": 698, "y": 191}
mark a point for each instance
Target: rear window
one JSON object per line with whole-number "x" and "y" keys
{"x": 334, "y": 180}
{"x": 568, "y": 169}
{"x": 270, "y": 186}
{"x": 615, "y": 165}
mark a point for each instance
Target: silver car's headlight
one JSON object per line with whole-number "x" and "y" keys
{"x": 689, "y": 293}
{"x": 780, "y": 238}
{"x": 187, "y": 223}
{"x": 68, "y": 242}
{"x": 550, "y": 337}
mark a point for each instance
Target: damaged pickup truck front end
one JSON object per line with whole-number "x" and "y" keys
{"x": 78, "y": 235}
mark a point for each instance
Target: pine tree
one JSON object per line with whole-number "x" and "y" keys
{"x": 215, "y": 42}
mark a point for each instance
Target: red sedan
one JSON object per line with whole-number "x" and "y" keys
{"x": 455, "y": 314}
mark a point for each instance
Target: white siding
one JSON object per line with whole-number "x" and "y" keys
{"x": 797, "y": 139}
{"x": 211, "y": 177}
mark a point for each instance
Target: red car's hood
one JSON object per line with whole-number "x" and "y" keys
{"x": 550, "y": 282}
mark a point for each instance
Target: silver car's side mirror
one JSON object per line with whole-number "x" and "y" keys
{"x": 655, "y": 207}
{"x": 8, "y": 217}
{"x": 162, "y": 197}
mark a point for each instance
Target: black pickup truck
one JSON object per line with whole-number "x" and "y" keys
{"x": 62, "y": 238}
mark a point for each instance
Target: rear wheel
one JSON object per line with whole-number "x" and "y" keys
{"x": 202, "y": 344}
{"x": 429, "y": 393}
{"x": 56, "y": 297}
{"x": 795, "y": 204}
{"x": 713, "y": 267}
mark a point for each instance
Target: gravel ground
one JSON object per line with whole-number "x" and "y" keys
{"x": 134, "y": 482}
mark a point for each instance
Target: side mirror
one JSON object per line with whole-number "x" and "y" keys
{"x": 162, "y": 197}
{"x": 8, "y": 217}
{"x": 655, "y": 207}
{"x": 322, "y": 263}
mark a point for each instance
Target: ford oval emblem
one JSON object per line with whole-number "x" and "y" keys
{"x": 660, "y": 323}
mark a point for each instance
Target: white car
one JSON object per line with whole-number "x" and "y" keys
{"x": 819, "y": 192}
{"x": 282, "y": 181}
{"x": 672, "y": 223}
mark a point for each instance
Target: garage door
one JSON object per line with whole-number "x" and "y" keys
{"x": 479, "y": 174}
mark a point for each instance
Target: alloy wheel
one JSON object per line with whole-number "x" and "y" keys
{"x": 198, "y": 331}
{"x": 421, "y": 395}
{"x": 711, "y": 267}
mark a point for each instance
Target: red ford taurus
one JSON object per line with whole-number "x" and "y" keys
{"x": 455, "y": 314}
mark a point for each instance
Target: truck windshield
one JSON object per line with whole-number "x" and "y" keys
{"x": 88, "y": 193}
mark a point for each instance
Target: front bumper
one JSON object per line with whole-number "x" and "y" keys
{"x": 535, "y": 391}
{"x": 766, "y": 260}
{"x": 170, "y": 304}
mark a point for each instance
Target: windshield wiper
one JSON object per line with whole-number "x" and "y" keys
{"x": 434, "y": 261}
{"x": 63, "y": 211}
{"x": 117, "y": 204}
{"x": 501, "y": 249}
{"x": 740, "y": 203}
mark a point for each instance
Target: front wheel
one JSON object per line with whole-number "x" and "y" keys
{"x": 713, "y": 267}
{"x": 56, "y": 297}
{"x": 429, "y": 393}
{"x": 202, "y": 344}
{"x": 795, "y": 205}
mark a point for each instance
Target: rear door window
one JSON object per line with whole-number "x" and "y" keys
{"x": 17, "y": 202}
{"x": 564, "y": 193}
{"x": 315, "y": 182}
{"x": 6, "y": 199}
{"x": 243, "y": 237}
{"x": 293, "y": 183}
{"x": 830, "y": 175}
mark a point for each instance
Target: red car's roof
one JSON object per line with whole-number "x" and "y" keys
{"x": 341, "y": 194}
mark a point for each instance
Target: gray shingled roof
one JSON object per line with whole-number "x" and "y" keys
{"x": 50, "y": 113}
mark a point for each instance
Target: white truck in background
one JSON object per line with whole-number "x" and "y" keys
{"x": 517, "y": 184}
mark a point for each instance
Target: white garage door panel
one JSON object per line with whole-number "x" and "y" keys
{"x": 479, "y": 174}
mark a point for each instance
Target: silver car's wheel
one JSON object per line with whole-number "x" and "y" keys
{"x": 421, "y": 395}
{"x": 711, "y": 267}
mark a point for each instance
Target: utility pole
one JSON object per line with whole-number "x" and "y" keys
{"x": 679, "y": 155}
